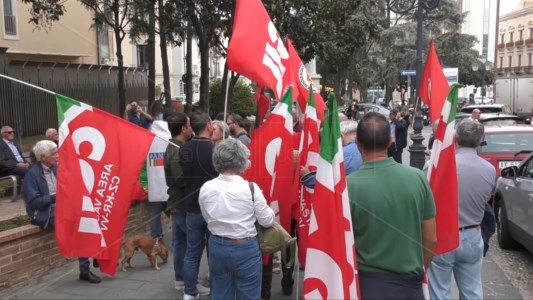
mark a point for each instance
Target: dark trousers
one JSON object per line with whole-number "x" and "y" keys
{"x": 17, "y": 171}
{"x": 383, "y": 285}
{"x": 395, "y": 152}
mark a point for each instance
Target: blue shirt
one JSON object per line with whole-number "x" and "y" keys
{"x": 141, "y": 120}
{"x": 352, "y": 157}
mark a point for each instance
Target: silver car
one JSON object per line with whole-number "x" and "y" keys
{"x": 513, "y": 205}
{"x": 372, "y": 107}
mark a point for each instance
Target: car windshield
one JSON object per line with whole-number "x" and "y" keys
{"x": 484, "y": 110}
{"x": 507, "y": 142}
{"x": 502, "y": 122}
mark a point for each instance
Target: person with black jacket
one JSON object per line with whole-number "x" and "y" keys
{"x": 398, "y": 126}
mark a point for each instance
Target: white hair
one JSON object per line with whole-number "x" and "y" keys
{"x": 42, "y": 148}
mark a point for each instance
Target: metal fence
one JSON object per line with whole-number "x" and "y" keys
{"x": 31, "y": 111}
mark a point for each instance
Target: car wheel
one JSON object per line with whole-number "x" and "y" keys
{"x": 505, "y": 241}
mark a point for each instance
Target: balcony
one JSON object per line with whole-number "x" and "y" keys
{"x": 529, "y": 70}
{"x": 501, "y": 46}
{"x": 519, "y": 44}
{"x": 529, "y": 42}
{"x": 10, "y": 25}
{"x": 509, "y": 45}
{"x": 518, "y": 70}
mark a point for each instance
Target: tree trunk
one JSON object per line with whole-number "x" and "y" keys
{"x": 164, "y": 56}
{"x": 204, "y": 74}
{"x": 188, "y": 74}
{"x": 222, "y": 97}
{"x": 120, "y": 61}
{"x": 151, "y": 56}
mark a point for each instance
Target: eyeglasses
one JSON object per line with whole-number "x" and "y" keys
{"x": 9, "y": 132}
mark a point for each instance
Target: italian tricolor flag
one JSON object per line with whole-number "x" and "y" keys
{"x": 330, "y": 271}
{"x": 442, "y": 175}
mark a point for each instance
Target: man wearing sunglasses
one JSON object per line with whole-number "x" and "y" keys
{"x": 12, "y": 162}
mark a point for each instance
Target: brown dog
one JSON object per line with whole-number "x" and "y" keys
{"x": 152, "y": 248}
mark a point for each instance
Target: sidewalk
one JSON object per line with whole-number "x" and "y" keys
{"x": 144, "y": 282}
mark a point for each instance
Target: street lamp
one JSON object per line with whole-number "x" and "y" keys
{"x": 417, "y": 149}
{"x": 486, "y": 66}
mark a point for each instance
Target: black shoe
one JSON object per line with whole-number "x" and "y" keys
{"x": 286, "y": 285}
{"x": 90, "y": 277}
{"x": 95, "y": 263}
{"x": 265, "y": 294}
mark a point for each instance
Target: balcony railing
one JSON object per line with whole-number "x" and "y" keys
{"x": 529, "y": 42}
{"x": 10, "y": 25}
{"x": 501, "y": 46}
{"x": 509, "y": 45}
{"x": 518, "y": 70}
{"x": 519, "y": 44}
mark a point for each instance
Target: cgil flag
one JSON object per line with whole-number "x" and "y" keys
{"x": 330, "y": 271}
{"x": 100, "y": 158}
{"x": 434, "y": 86}
{"x": 272, "y": 159}
{"x": 256, "y": 50}
{"x": 155, "y": 171}
{"x": 442, "y": 176}
{"x": 304, "y": 82}
{"x": 309, "y": 156}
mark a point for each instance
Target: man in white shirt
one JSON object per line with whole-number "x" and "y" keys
{"x": 11, "y": 160}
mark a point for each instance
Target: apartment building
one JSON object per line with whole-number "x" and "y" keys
{"x": 514, "y": 69}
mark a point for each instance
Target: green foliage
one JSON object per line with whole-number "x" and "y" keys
{"x": 45, "y": 12}
{"x": 15, "y": 222}
{"x": 243, "y": 102}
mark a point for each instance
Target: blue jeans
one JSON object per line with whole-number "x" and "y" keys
{"x": 84, "y": 265}
{"x": 179, "y": 242}
{"x": 196, "y": 236}
{"x": 235, "y": 268}
{"x": 465, "y": 262}
{"x": 156, "y": 208}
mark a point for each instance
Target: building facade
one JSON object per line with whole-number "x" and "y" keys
{"x": 514, "y": 69}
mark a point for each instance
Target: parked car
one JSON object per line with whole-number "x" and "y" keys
{"x": 488, "y": 109}
{"x": 372, "y": 107}
{"x": 483, "y": 100}
{"x": 512, "y": 204}
{"x": 504, "y": 146}
{"x": 493, "y": 119}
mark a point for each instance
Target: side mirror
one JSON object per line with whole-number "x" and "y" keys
{"x": 509, "y": 172}
{"x": 484, "y": 143}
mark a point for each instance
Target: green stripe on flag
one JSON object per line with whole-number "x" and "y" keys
{"x": 311, "y": 101}
{"x": 63, "y": 104}
{"x": 331, "y": 132}
{"x": 453, "y": 98}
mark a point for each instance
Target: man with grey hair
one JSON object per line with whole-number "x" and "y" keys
{"x": 352, "y": 157}
{"x": 476, "y": 179}
{"x": 51, "y": 134}
{"x": 12, "y": 162}
{"x": 39, "y": 192}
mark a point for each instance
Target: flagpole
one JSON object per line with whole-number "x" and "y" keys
{"x": 228, "y": 79}
{"x": 28, "y": 84}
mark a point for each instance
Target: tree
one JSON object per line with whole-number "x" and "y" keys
{"x": 243, "y": 103}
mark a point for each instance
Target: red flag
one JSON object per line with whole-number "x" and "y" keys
{"x": 272, "y": 159}
{"x": 442, "y": 175}
{"x": 257, "y": 51}
{"x": 309, "y": 156}
{"x": 263, "y": 103}
{"x": 100, "y": 159}
{"x": 304, "y": 81}
{"x": 331, "y": 269}
{"x": 433, "y": 86}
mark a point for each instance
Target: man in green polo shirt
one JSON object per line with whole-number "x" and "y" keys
{"x": 393, "y": 216}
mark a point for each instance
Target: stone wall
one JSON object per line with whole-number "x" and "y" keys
{"x": 28, "y": 252}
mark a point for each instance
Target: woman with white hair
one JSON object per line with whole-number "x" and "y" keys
{"x": 39, "y": 190}
{"x": 230, "y": 209}
{"x": 220, "y": 131}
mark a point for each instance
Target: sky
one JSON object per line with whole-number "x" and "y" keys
{"x": 507, "y": 6}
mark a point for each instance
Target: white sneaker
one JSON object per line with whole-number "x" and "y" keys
{"x": 189, "y": 297}
{"x": 202, "y": 290}
{"x": 179, "y": 285}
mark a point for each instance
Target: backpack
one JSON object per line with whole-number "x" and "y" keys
{"x": 275, "y": 238}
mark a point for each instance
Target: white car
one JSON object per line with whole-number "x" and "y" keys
{"x": 483, "y": 100}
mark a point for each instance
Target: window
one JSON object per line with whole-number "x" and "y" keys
{"x": 528, "y": 169}
{"x": 501, "y": 62}
{"x": 529, "y": 60}
{"x": 142, "y": 56}
{"x": 520, "y": 32}
{"x": 103, "y": 43}
{"x": 531, "y": 33}
{"x": 511, "y": 37}
{"x": 510, "y": 61}
{"x": 10, "y": 18}
{"x": 519, "y": 60}
{"x": 502, "y": 38}
{"x": 507, "y": 142}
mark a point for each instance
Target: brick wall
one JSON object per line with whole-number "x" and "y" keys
{"x": 28, "y": 252}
